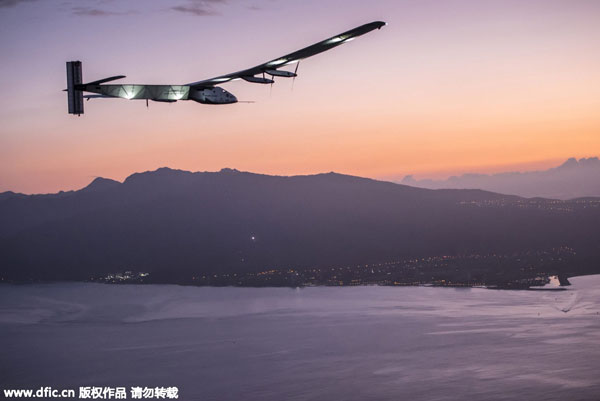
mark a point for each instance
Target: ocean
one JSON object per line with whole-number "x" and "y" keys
{"x": 315, "y": 343}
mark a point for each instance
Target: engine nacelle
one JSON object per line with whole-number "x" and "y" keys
{"x": 213, "y": 95}
{"x": 285, "y": 74}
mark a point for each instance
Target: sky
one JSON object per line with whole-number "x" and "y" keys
{"x": 447, "y": 87}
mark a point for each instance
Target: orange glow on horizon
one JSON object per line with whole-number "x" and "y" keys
{"x": 480, "y": 88}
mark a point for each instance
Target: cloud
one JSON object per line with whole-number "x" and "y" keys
{"x": 97, "y": 12}
{"x": 194, "y": 10}
{"x": 199, "y": 8}
{"x": 12, "y": 3}
{"x": 99, "y": 8}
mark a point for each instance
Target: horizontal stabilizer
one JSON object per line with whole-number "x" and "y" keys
{"x": 101, "y": 81}
{"x": 88, "y": 97}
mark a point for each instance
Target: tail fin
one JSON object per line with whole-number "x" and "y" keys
{"x": 74, "y": 96}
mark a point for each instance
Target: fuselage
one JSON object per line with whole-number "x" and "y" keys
{"x": 163, "y": 93}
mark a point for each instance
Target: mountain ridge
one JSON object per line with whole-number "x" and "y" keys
{"x": 572, "y": 179}
{"x": 102, "y": 183}
{"x": 177, "y": 224}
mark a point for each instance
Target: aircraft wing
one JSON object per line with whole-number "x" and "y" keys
{"x": 271, "y": 67}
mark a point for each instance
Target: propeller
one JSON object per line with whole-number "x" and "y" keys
{"x": 272, "y": 82}
{"x": 295, "y": 74}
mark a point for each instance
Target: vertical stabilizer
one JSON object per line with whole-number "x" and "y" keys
{"x": 74, "y": 78}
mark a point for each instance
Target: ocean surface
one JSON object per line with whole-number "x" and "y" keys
{"x": 320, "y": 343}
